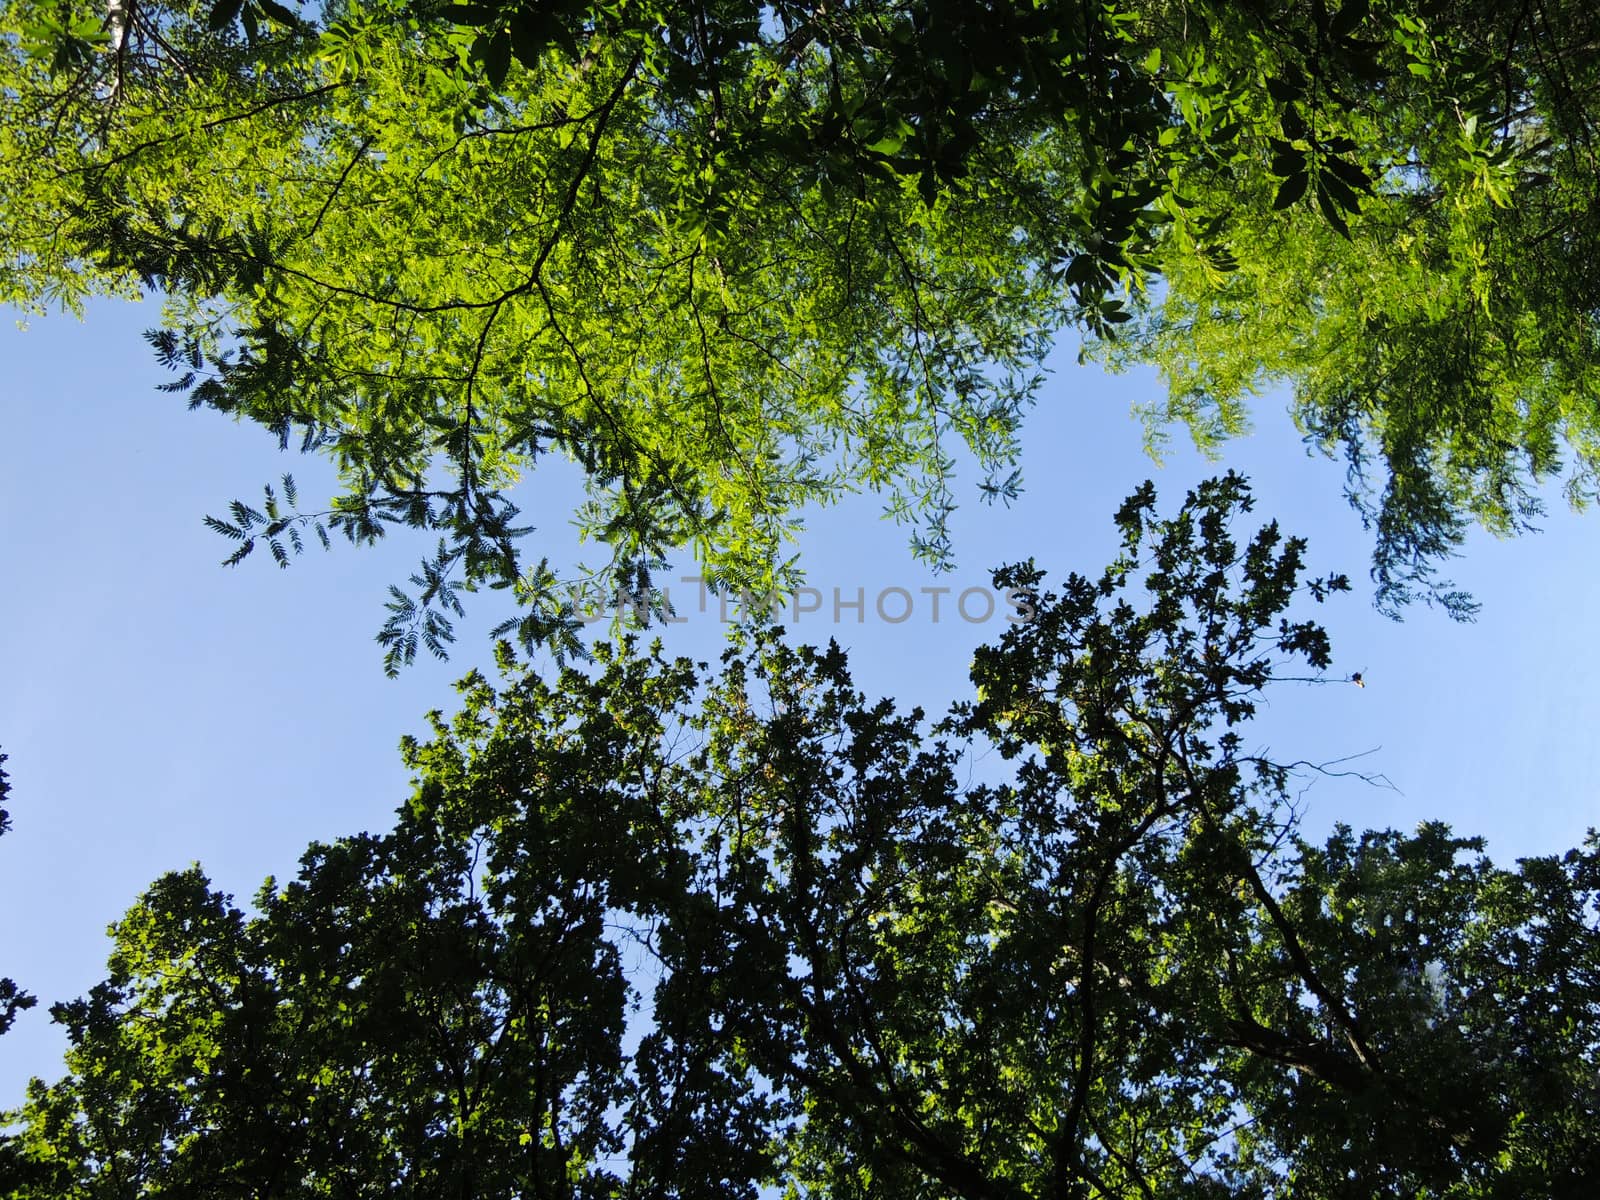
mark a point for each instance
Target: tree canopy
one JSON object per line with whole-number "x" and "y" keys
{"x": 652, "y": 929}
{"x": 737, "y": 258}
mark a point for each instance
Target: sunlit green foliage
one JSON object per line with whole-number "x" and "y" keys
{"x": 1444, "y": 339}
{"x": 1115, "y": 969}
{"x": 733, "y": 259}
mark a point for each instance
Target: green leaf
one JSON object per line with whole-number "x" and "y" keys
{"x": 1349, "y": 173}
{"x": 1351, "y": 14}
{"x": 277, "y": 12}
{"x": 1291, "y": 189}
{"x": 471, "y": 15}
{"x": 496, "y": 57}
{"x": 1330, "y": 211}
{"x": 1285, "y": 91}
{"x": 224, "y": 13}
{"x": 1341, "y": 194}
{"x": 529, "y": 33}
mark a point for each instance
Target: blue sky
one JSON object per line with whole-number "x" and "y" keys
{"x": 159, "y": 709}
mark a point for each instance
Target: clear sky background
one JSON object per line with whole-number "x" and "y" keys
{"x": 159, "y": 709}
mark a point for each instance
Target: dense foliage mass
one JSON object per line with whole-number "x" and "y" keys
{"x": 654, "y": 931}
{"x": 735, "y": 258}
